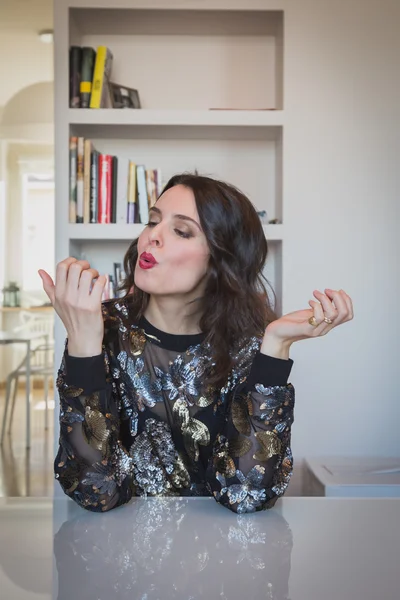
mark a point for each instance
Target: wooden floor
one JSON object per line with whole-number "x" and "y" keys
{"x": 27, "y": 472}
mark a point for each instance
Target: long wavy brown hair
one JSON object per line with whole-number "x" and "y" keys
{"x": 235, "y": 305}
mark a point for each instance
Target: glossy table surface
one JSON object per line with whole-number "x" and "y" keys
{"x": 304, "y": 548}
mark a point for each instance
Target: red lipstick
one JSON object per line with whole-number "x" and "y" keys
{"x": 147, "y": 261}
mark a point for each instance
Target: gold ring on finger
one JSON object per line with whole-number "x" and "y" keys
{"x": 327, "y": 320}
{"x": 313, "y": 321}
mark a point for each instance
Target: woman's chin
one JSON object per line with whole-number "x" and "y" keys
{"x": 142, "y": 283}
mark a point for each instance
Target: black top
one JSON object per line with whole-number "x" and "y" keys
{"x": 140, "y": 419}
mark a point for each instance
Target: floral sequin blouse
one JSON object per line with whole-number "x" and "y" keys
{"x": 140, "y": 419}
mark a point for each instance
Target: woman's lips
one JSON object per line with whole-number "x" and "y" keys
{"x": 144, "y": 264}
{"x": 147, "y": 260}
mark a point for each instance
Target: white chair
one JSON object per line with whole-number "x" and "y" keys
{"x": 41, "y": 363}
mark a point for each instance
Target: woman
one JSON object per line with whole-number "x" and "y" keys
{"x": 181, "y": 386}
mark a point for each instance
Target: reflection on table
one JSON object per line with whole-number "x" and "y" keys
{"x": 193, "y": 548}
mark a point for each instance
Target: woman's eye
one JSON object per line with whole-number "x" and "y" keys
{"x": 178, "y": 231}
{"x": 183, "y": 233}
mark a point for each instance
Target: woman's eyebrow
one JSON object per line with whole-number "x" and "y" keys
{"x": 183, "y": 217}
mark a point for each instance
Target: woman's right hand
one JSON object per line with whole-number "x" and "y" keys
{"x": 78, "y": 307}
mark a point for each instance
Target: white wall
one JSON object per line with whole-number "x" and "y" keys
{"x": 25, "y": 59}
{"x": 342, "y": 147}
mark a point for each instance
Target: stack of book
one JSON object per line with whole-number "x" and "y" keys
{"x": 93, "y": 187}
{"x": 89, "y": 75}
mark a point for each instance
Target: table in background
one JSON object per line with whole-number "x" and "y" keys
{"x": 193, "y": 548}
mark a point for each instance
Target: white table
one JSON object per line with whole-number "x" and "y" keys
{"x": 193, "y": 548}
{"x": 8, "y": 337}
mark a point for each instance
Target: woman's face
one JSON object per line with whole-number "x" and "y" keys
{"x": 175, "y": 240}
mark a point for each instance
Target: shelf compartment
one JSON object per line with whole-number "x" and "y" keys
{"x": 233, "y": 58}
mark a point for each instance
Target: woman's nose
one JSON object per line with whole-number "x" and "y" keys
{"x": 154, "y": 237}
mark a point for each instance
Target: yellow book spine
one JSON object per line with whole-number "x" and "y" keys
{"x": 98, "y": 77}
{"x": 132, "y": 193}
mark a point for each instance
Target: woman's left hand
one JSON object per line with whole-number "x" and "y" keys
{"x": 295, "y": 326}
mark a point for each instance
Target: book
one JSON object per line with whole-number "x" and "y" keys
{"x": 102, "y": 192}
{"x": 88, "y": 60}
{"x": 100, "y": 96}
{"x": 158, "y": 182}
{"x": 142, "y": 194}
{"x": 75, "y": 60}
{"x": 79, "y": 180}
{"x": 73, "y": 150}
{"x": 114, "y": 176}
{"x": 122, "y": 183}
{"x": 87, "y": 153}
{"x": 105, "y": 188}
{"x": 151, "y": 187}
{"x": 131, "y": 196}
{"x": 94, "y": 186}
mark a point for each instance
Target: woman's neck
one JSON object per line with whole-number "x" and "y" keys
{"x": 171, "y": 319}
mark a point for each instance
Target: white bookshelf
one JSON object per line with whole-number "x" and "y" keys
{"x": 107, "y": 118}
{"x": 126, "y": 232}
{"x": 185, "y": 58}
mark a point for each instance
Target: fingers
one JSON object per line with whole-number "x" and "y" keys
{"x": 74, "y": 273}
{"x": 343, "y": 303}
{"x": 348, "y": 302}
{"x": 62, "y": 273}
{"x": 329, "y": 309}
{"x": 48, "y": 285}
{"x": 86, "y": 279}
{"x": 98, "y": 288}
{"x": 318, "y": 311}
{"x": 336, "y": 305}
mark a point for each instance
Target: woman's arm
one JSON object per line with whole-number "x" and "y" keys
{"x": 252, "y": 462}
{"x": 92, "y": 466}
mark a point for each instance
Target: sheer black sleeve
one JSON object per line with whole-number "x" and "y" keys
{"x": 252, "y": 462}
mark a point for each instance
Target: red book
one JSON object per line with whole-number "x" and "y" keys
{"x": 105, "y": 188}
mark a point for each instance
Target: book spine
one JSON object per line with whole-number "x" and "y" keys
{"x": 105, "y": 100}
{"x": 105, "y": 188}
{"x": 114, "y": 180}
{"x": 157, "y": 174}
{"x": 75, "y": 59}
{"x": 86, "y": 180}
{"x": 122, "y": 191}
{"x": 88, "y": 60}
{"x": 148, "y": 186}
{"x": 102, "y": 70}
{"x": 94, "y": 188}
{"x": 73, "y": 143}
{"x": 153, "y": 187}
{"x": 142, "y": 194}
{"x": 132, "y": 201}
{"x": 109, "y": 187}
{"x": 79, "y": 181}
